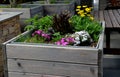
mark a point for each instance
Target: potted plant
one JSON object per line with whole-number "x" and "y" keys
{"x": 55, "y": 6}
{"x": 61, "y": 45}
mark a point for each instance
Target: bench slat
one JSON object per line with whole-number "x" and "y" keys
{"x": 107, "y": 20}
{"x": 119, "y": 11}
{"x": 113, "y": 19}
{"x": 117, "y": 16}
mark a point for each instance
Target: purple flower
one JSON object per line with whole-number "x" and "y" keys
{"x": 43, "y": 35}
{"x": 62, "y": 40}
{"x": 47, "y": 36}
{"x": 39, "y": 32}
{"x": 70, "y": 39}
{"x": 65, "y": 41}
{"x": 58, "y": 43}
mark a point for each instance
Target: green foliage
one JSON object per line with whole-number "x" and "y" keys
{"x": 4, "y": 6}
{"x": 35, "y": 39}
{"x": 34, "y": 23}
{"x": 23, "y": 38}
{"x": 52, "y": 1}
{"x": 29, "y": 39}
{"x": 91, "y": 26}
{"x": 58, "y": 26}
{"x": 57, "y": 36}
{"x": 76, "y": 22}
{"x": 8, "y": 6}
{"x": 39, "y": 23}
{"x": 45, "y": 23}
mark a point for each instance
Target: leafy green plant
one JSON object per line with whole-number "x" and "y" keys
{"x": 39, "y": 23}
{"x": 57, "y": 36}
{"x": 85, "y": 21}
{"x": 91, "y": 26}
{"x": 52, "y": 1}
{"x": 64, "y": 29}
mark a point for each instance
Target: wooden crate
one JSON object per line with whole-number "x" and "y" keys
{"x": 25, "y": 59}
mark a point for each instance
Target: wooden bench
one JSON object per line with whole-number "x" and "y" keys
{"x": 112, "y": 23}
{"x": 112, "y": 20}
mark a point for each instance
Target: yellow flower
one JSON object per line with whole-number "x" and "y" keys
{"x": 85, "y": 13}
{"x": 88, "y": 15}
{"x": 78, "y": 7}
{"x": 84, "y": 6}
{"x": 88, "y": 9}
{"x": 81, "y": 11}
{"x": 82, "y": 15}
{"x": 92, "y": 18}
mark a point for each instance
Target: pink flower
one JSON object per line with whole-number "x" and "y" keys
{"x": 43, "y": 35}
{"x": 65, "y": 41}
{"x": 70, "y": 39}
{"x": 39, "y": 32}
{"x": 47, "y": 36}
{"x": 58, "y": 43}
{"x": 62, "y": 40}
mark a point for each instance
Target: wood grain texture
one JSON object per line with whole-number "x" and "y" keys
{"x": 17, "y": 74}
{"x": 26, "y": 59}
{"x": 52, "y": 68}
{"x": 53, "y": 53}
{"x": 113, "y": 19}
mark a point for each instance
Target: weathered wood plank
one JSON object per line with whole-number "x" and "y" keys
{"x": 117, "y": 16}
{"x": 26, "y": 11}
{"x": 107, "y": 19}
{"x": 118, "y": 11}
{"x": 53, "y": 53}
{"x": 18, "y": 74}
{"x": 52, "y": 68}
{"x": 113, "y": 19}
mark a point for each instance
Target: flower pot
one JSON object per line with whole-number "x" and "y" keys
{"x": 34, "y": 59}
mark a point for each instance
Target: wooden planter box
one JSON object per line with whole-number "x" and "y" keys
{"x": 34, "y": 59}
{"x": 9, "y": 28}
{"x": 28, "y": 12}
{"x": 9, "y": 25}
{"x": 57, "y": 7}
